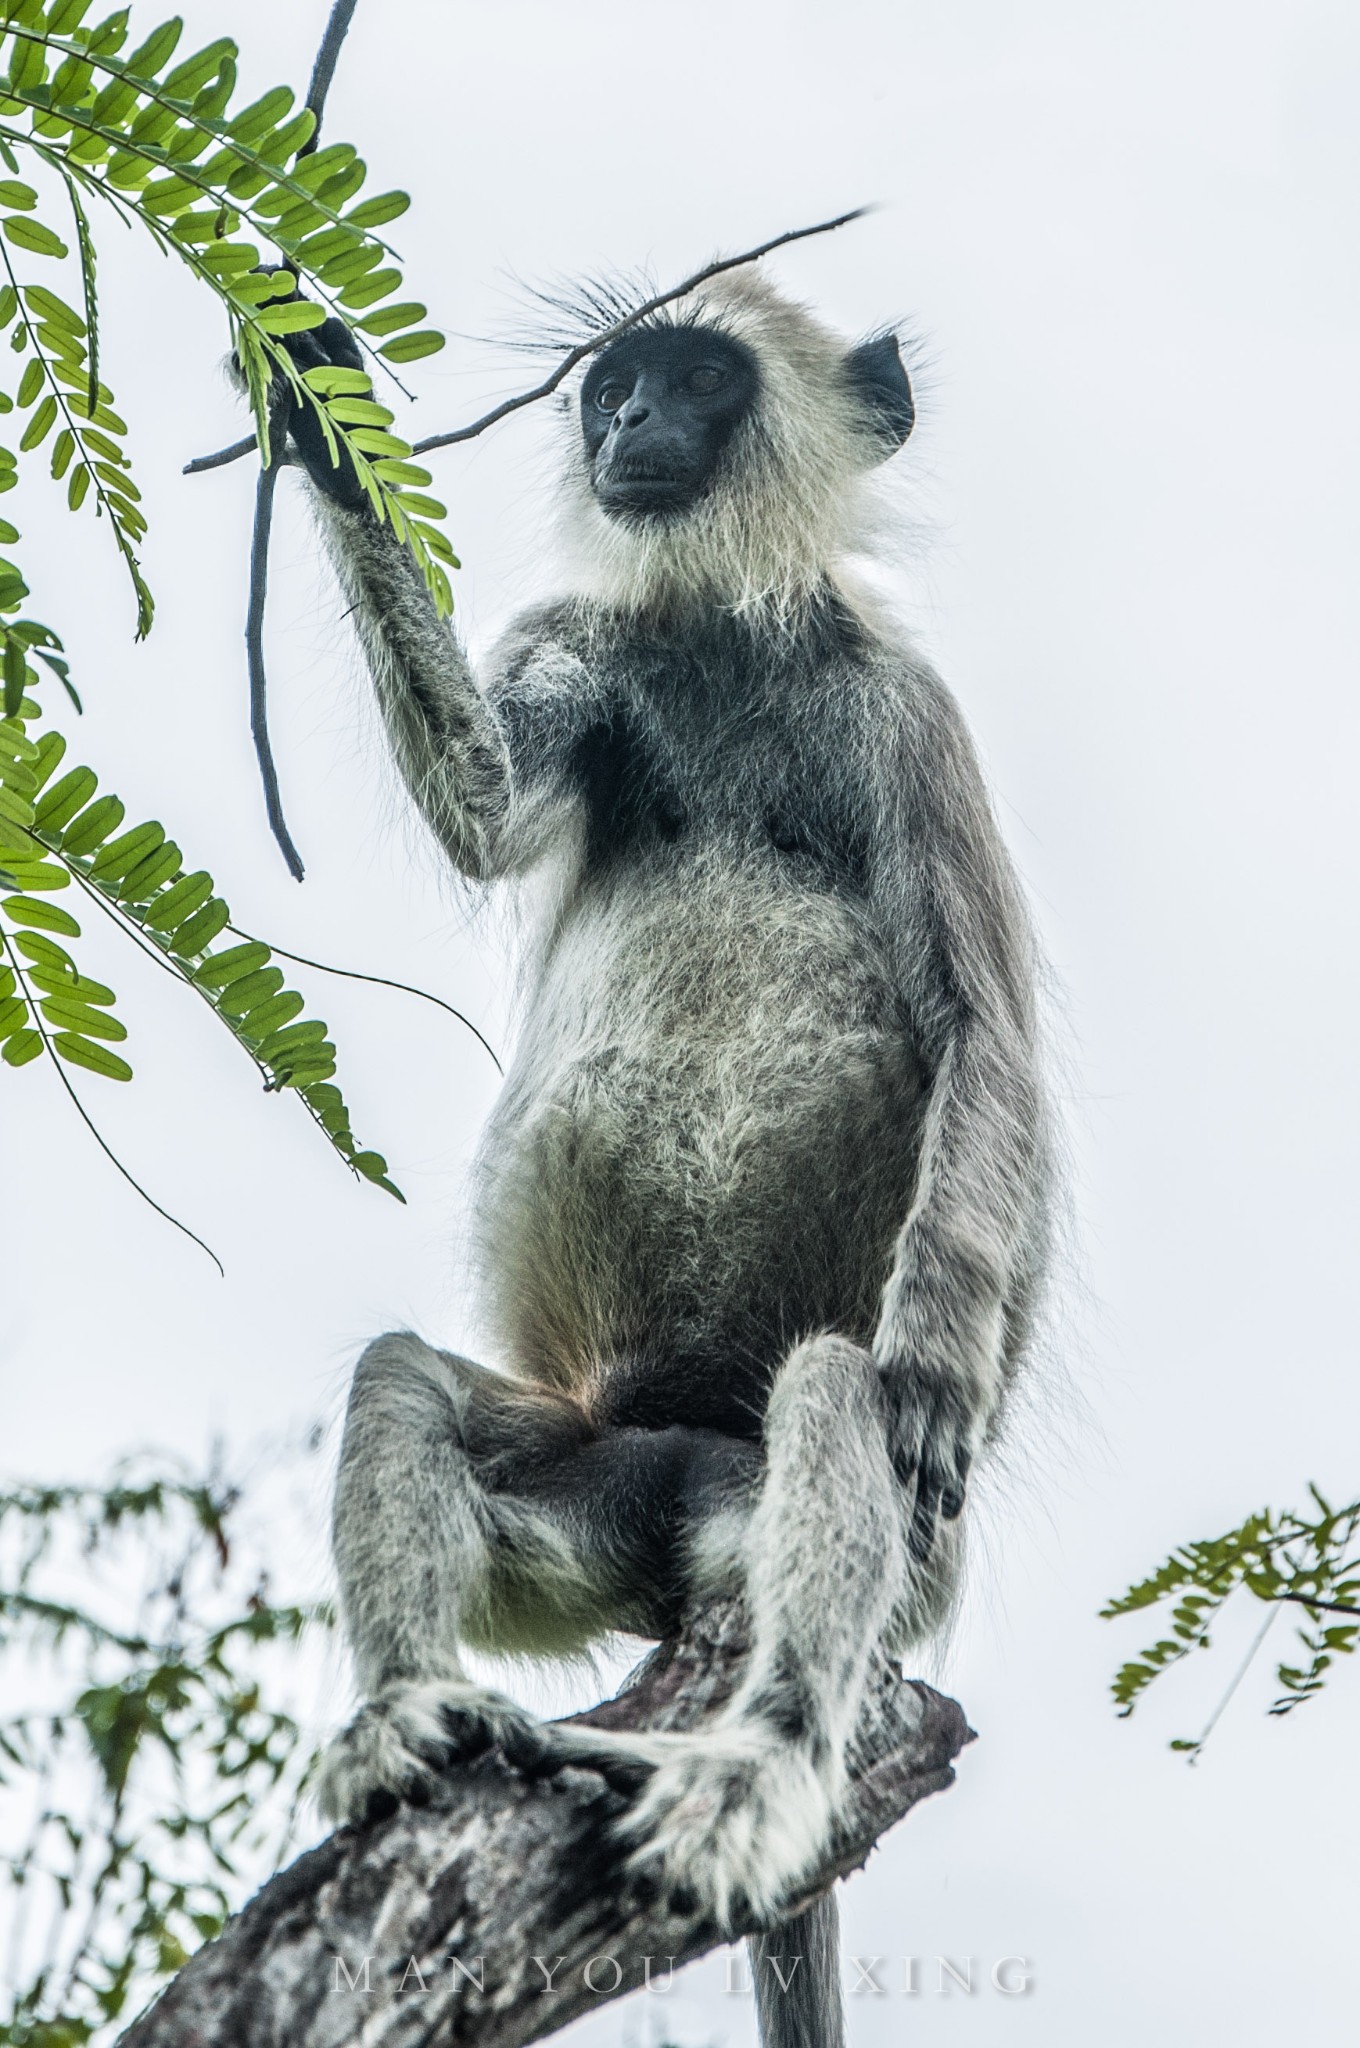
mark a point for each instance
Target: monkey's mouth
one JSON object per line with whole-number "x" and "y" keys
{"x": 634, "y": 492}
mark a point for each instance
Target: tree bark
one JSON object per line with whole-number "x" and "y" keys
{"x": 497, "y": 1913}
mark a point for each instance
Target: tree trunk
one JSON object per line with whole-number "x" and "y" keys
{"x": 496, "y": 1914}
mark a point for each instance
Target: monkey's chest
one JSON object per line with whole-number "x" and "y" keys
{"x": 663, "y": 792}
{"x": 707, "y": 1143}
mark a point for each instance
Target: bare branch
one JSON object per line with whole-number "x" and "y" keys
{"x": 323, "y": 71}
{"x": 245, "y": 446}
{"x": 578, "y": 354}
{"x": 259, "y": 586}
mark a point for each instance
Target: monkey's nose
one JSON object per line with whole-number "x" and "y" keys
{"x": 631, "y": 416}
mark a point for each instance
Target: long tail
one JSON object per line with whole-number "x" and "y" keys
{"x": 797, "y": 1973}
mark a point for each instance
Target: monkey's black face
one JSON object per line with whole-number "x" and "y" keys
{"x": 657, "y": 411}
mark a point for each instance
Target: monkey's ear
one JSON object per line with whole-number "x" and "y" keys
{"x": 875, "y": 374}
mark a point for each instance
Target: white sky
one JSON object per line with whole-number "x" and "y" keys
{"x": 1128, "y": 240}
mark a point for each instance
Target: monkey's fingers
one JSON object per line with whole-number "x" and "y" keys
{"x": 937, "y": 1469}
{"x": 921, "y": 1534}
{"x": 331, "y": 345}
{"x": 952, "y": 1499}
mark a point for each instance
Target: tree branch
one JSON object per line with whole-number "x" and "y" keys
{"x": 245, "y": 446}
{"x": 575, "y": 355}
{"x": 323, "y": 71}
{"x": 259, "y": 586}
{"x": 501, "y": 1869}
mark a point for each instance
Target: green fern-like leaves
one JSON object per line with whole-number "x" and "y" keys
{"x": 1280, "y": 1558}
{"x": 145, "y": 1755}
{"x": 104, "y": 116}
{"x": 63, "y": 833}
{"x": 68, "y": 412}
{"x": 160, "y": 141}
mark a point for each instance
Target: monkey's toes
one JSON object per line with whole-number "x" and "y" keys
{"x": 474, "y": 1720}
{"x": 726, "y": 1828}
{"x": 626, "y": 1761}
{"x": 400, "y": 1744}
{"x": 375, "y": 1763}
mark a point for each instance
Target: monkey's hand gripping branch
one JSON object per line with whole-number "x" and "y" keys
{"x": 475, "y": 1919}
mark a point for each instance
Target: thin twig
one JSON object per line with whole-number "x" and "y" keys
{"x": 575, "y": 355}
{"x": 245, "y": 446}
{"x": 323, "y": 71}
{"x": 602, "y": 340}
{"x": 84, "y": 1115}
{"x": 380, "y": 981}
{"x": 1331, "y": 1606}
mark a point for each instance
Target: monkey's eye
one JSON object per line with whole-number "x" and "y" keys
{"x": 709, "y": 377}
{"x": 610, "y": 397}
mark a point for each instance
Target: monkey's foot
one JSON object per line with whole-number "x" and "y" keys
{"x": 733, "y": 1820}
{"x": 397, "y": 1745}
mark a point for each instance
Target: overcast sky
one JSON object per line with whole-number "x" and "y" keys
{"x": 1126, "y": 241}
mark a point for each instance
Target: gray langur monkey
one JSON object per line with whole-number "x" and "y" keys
{"x": 763, "y": 1207}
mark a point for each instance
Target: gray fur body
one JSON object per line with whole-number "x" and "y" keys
{"x": 706, "y": 1145}
{"x": 762, "y": 1208}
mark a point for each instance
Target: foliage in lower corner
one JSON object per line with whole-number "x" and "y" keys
{"x": 156, "y": 1768}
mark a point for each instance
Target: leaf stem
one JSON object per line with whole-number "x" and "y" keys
{"x": 40, "y": 1026}
{"x": 133, "y": 929}
{"x": 147, "y": 89}
{"x": 191, "y": 176}
{"x": 85, "y": 244}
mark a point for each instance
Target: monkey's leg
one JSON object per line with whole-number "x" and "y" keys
{"x": 746, "y": 1808}
{"x": 471, "y": 1508}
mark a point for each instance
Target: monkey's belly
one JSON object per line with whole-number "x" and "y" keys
{"x": 705, "y": 1148}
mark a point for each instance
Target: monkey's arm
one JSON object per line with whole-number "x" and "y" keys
{"x": 491, "y": 770}
{"x": 448, "y": 746}
{"x": 493, "y": 781}
{"x": 957, "y": 1306}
